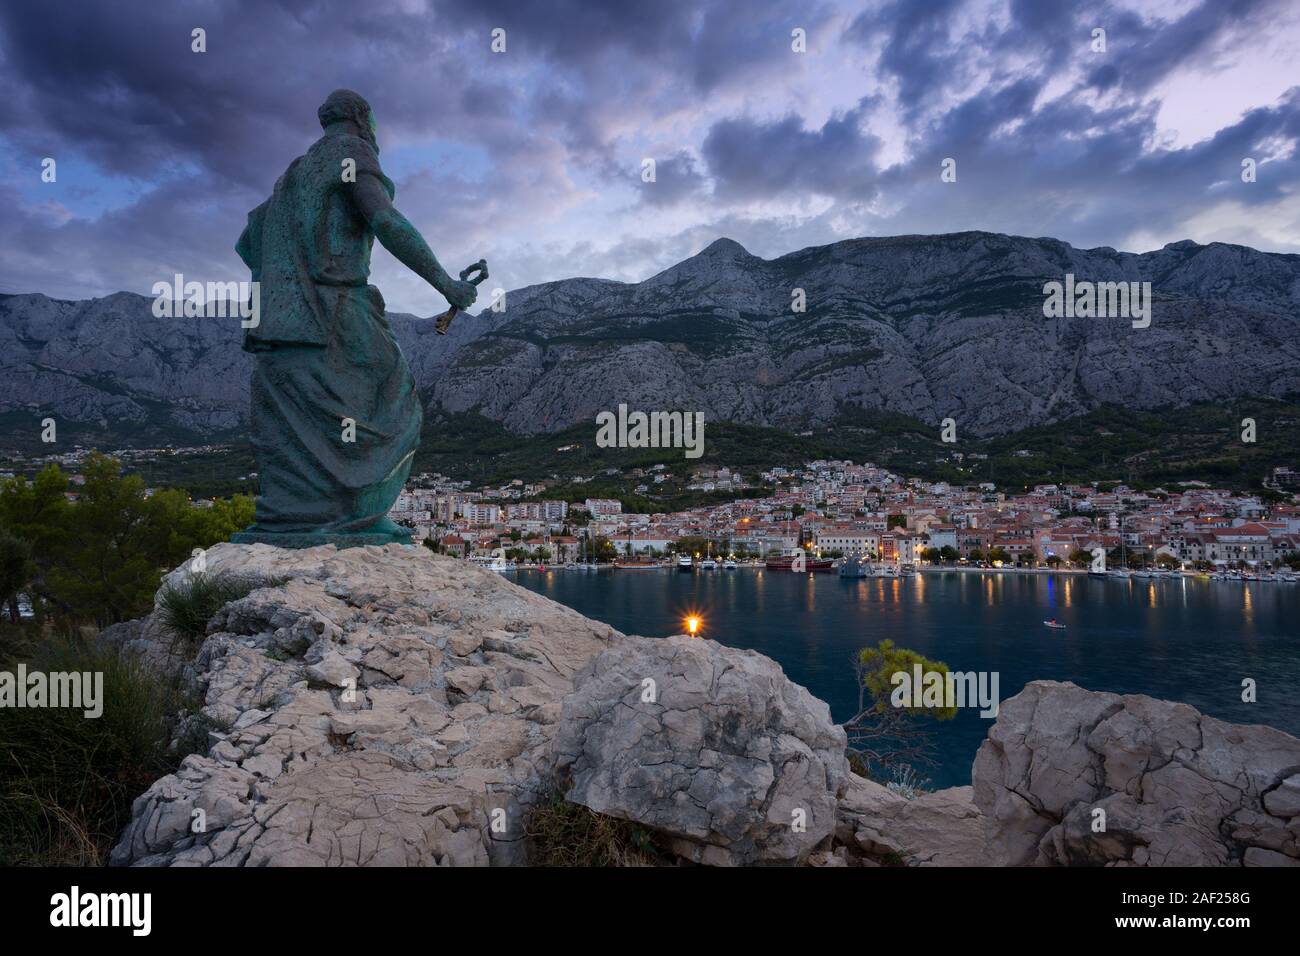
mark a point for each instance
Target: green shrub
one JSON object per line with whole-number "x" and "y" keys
{"x": 67, "y": 781}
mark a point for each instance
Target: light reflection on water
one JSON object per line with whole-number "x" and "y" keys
{"x": 1183, "y": 639}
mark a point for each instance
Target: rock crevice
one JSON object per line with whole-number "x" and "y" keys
{"x": 1069, "y": 776}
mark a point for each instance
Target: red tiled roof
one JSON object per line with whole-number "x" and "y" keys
{"x": 1250, "y": 528}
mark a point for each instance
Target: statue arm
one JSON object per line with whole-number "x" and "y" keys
{"x": 249, "y": 246}
{"x": 397, "y": 235}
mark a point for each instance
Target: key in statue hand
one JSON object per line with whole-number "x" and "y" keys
{"x": 444, "y": 320}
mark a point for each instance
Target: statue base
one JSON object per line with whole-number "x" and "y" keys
{"x": 314, "y": 539}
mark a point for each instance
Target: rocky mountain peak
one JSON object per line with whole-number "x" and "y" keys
{"x": 920, "y": 325}
{"x": 724, "y": 248}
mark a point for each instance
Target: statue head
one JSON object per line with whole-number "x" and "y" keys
{"x": 345, "y": 106}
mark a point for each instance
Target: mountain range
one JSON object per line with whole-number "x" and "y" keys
{"x": 931, "y": 327}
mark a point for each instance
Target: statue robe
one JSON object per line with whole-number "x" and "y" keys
{"x": 324, "y": 355}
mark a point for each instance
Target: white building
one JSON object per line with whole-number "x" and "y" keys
{"x": 478, "y": 513}
{"x": 847, "y": 540}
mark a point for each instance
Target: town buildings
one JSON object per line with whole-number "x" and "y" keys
{"x": 847, "y": 508}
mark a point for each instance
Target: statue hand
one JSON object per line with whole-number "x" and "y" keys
{"x": 461, "y": 294}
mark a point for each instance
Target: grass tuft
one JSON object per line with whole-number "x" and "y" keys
{"x": 186, "y": 608}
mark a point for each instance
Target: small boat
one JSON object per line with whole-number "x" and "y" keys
{"x": 1054, "y": 624}
{"x": 636, "y": 566}
{"x": 708, "y": 564}
{"x": 496, "y": 561}
{"x": 729, "y": 565}
{"x": 684, "y": 563}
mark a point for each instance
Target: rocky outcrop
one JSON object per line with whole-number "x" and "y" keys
{"x": 382, "y": 706}
{"x": 880, "y": 827}
{"x": 387, "y": 706}
{"x": 1076, "y": 777}
{"x": 712, "y": 747}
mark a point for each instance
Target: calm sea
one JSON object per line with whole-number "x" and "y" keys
{"x": 1190, "y": 640}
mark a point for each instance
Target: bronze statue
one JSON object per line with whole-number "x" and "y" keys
{"x": 335, "y": 413}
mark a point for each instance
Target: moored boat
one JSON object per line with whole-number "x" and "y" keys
{"x": 636, "y": 565}
{"x": 788, "y": 561}
{"x": 496, "y": 561}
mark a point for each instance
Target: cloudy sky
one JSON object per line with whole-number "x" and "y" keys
{"x": 533, "y": 157}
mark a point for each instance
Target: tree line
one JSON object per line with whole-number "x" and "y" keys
{"x": 93, "y": 549}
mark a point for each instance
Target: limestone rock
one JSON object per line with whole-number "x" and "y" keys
{"x": 940, "y": 828}
{"x": 712, "y": 746}
{"x": 335, "y": 741}
{"x": 464, "y": 643}
{"x": 1177, "y": 788}
{"x": 333, "y": 669}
